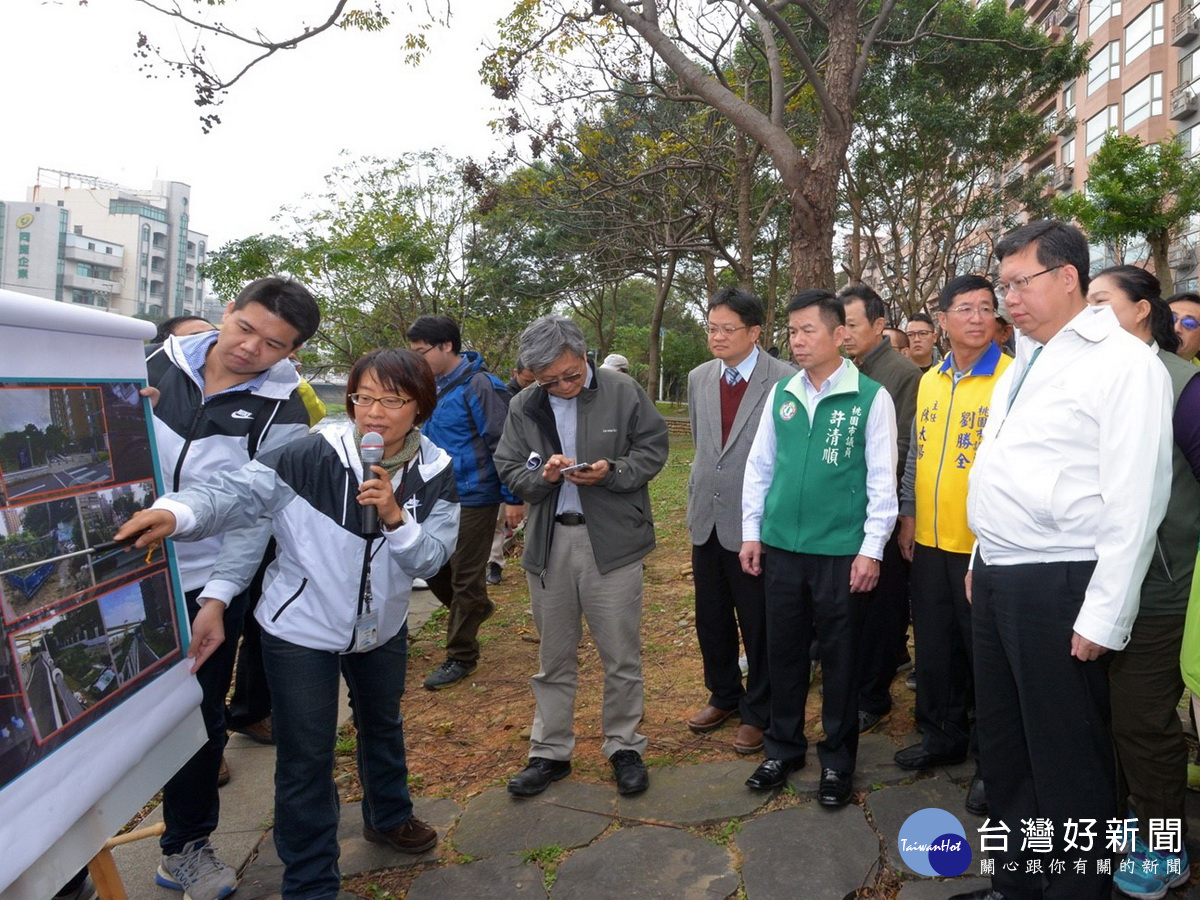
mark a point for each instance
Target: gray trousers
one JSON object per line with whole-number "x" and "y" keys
{"x": 571, "y": 590}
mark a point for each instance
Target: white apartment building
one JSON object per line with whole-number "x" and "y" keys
{"x": 129, "y": 251}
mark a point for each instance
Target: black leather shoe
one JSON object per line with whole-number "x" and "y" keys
{"x": 917, "y": 757}
{"x": 632, "y": 777}
{"x": 981, "y": 894}
{"x": 538, "y": 775}
{"x": 976, "y": 804}
{"x": 773, "y": 773}
{"x": 834, "y": 789}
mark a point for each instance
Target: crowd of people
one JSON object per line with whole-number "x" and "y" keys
{"x": 1031, "y": 504}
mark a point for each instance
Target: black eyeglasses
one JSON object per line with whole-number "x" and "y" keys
{"x": 385, "y": 402}
{"x": 421, "y": 350}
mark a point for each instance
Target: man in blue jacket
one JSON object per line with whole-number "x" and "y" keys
{"x": 471, "y": 407}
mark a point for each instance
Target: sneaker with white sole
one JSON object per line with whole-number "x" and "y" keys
{"x": 1148, "y": 874}
{"x": 197, "y": 872}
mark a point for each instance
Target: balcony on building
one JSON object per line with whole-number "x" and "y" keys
{"x": 1181, "y": 256}
{"x": 1063, "y": 178}
{"x": 1184, "y": 102}
{"x": 1185, "y": 27}
{"x": 76, "y": 282}
{"x": 79, "y": 253}
{"x": 1064, "y": 15}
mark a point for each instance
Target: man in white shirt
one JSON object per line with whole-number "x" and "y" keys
{"x": 818, "y": 504}
{"x": 1069, "y": 484}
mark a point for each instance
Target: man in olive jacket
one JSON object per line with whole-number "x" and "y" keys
{"x": 586, "y": 534}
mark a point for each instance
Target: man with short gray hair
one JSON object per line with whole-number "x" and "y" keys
{"x": 579, "y": 448}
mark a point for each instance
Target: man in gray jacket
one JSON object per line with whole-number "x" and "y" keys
{"x": 725, "y": 399}
{"x": 579, "y": 449}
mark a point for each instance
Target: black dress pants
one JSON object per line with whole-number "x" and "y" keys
{"x": 806, "y": 591}
{"x": 729, "y": 600}
{"x": 942, "y": 629}
{"x": 1043, "y": 720}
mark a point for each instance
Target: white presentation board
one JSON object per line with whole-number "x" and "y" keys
{"x": 97, "y": 706}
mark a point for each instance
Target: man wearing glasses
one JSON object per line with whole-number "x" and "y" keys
{"x": 1069, "y": 484}
{"x": 953, "y": 403}
{"x": 466, "y": 423}
{"x": 1185, "y": 308}
{"x": 580, "y": 448}
{"x": 725, "y": 401}
{"x": 922, "y": 344}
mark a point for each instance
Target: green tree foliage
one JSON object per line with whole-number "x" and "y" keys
{"x": 937, "y": 123}
{"x": 387, "y": 241}
{"x": 1137, "y": 191}
{"x": 235, "y": 264}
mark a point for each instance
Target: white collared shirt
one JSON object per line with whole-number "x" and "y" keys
{"x": 746, "y": 366}
{"x": 566, "y": 419}
{"x": 1079, "y": 468}
{"x": 881, "y": 454}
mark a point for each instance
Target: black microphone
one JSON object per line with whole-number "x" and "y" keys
{"x": 372, "y": 455}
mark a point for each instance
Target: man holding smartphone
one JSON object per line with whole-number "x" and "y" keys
{"x": 579, "y": 448}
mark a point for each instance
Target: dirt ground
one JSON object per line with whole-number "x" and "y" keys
{"x": 475, "y": 735}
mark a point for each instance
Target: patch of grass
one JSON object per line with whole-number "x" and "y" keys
{"x": 547, "y": 859}
{"x": 347, "y": 740}
{"x": 671, "y": 409}
{"x": 728, "y": 831}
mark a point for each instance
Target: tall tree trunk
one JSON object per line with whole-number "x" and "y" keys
{"x": 663, "y": 290}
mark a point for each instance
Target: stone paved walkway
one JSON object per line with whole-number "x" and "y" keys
{"x": 697, "y": 833}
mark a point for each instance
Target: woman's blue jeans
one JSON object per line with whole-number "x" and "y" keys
{"x": 304, "y": 692}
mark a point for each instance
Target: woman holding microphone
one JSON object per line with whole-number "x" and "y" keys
{"x": 335, "y": 600}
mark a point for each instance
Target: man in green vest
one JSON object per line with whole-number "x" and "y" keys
{"x": 953, "y": 404}
{"x": 816, "y": 534}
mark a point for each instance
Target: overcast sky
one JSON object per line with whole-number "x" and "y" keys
{"x": 73, "y": 100}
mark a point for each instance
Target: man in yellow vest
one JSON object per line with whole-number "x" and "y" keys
{"x": 953, "y": 403}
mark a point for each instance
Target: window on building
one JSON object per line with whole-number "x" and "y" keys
{"x": 1097, "y": 127}
{"x": 1068, "y": 99}
{"x": 108, "y": 250}
{"x": 1068, "y": 152}
{"x": 1104, "y": 66}
{"x": 83, "y": 269}
{"x": 1189, "y": 140}
{"x": 1144, "y": 32}
{"x": 78, "y": 229}
{"x": 1100, "y": 11}
{"x": 1185, "y": 69}
{"x": 91, "y": 245}
{"x": 1143, "y": 100}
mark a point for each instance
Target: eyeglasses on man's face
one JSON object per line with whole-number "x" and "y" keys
{"x": 386, "y": 402}
{"x": 920, "y": 333}
{"x": 564, "y": 380}
{"x": 1019, "y": 284}
{"x": 966, "y": 311}
{"x": 1189, "y": 323}
{"x": 724, "y": 329}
